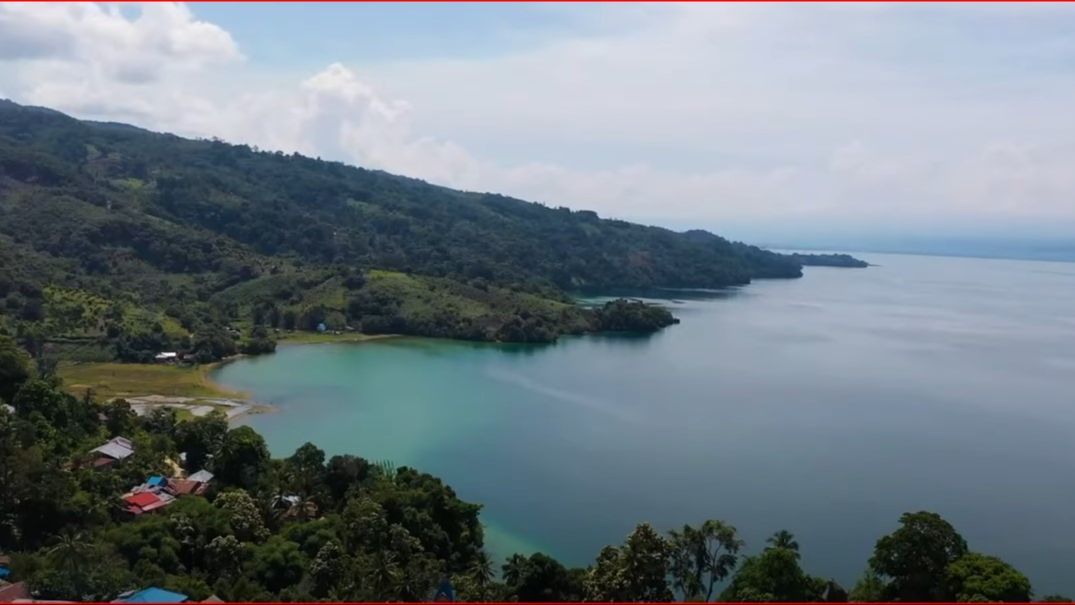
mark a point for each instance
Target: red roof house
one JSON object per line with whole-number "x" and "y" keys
{"x": 144, "y": 502}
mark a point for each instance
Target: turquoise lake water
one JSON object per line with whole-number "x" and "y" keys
{"x": 826, "y": 405}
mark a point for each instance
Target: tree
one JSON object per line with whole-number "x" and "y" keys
{"x": 306, "y": 473}
{"x": 243, "y": 457}
{"x": 702, "y": 557}
{"x": 120, "y": 420}
{"x": 326, "y": 570}
{"x": 540, "y": 578}
{"x": 774, "y": 575}
{"x": 212, "y": 344}
{"x": 364, "y": 524}
{"x": 201, "y": 439}
{"x": 10, "y": 471}
{"x": 243, "y": 515}
{"x": 783, "y": 539}
{"x": 71, "y": 554}
{"x": 481, "y": 571}
{"x": 160, "y": 421}
{"x": 224, "y": 556}
{"x": 78, "y": 570}
{"x": 343, "y": 472}
{"x": 645, "y": 562}
{"x": 278, "y": 563}
{"x": 977, "y": 577}
{"x": 870, "y": 588}
{"x": 915, "y": 557}
{"x": 14, "y": 368}
{"x": 604, "y": 581}
{"x": 636, "y": 571}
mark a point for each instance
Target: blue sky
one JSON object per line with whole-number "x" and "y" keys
{"x": 361, "y": 33}
{"x": 796, "y": 124}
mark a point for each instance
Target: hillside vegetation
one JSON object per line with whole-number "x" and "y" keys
{"x": 116, "y": 242}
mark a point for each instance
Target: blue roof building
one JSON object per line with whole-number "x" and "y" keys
{"x": 152, "y": 595}
{"x": 156, "y": 481}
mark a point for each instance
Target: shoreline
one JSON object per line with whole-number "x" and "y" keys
{"x": 190, "y": 390}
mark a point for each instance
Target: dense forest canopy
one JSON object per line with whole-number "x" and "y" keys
{"x": 135, "y": 242}
{"x": 312, "y": 527}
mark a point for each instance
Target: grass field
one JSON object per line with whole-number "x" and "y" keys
{"x": 110, "y": 380}
{"x": 304, "y": 338}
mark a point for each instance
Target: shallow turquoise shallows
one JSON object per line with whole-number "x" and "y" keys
{"x": 826, "y": 406}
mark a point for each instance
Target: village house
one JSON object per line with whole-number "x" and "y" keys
{"x": 148, "y": 496}
{"x": 166, "y": 357}
{"x": 159, "y": 491}
{"x": 196, "y": 484}
{"x": 117, "y": 448}
{"x": 143, "y": 502}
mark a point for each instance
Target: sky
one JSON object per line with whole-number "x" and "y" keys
{"x": 792, "y": 124}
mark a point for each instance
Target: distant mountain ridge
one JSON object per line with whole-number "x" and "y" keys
{"x": 170, "y": 226}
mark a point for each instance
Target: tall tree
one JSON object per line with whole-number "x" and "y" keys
{"x": 243, "y": 457}
{"x": 481, "y": 570}
{"x": 783, "y": 539}
{"x": 202, "y": 439}
{"x": 120, "y": 420}
{"x": 915, "y": 557}
{"x": 702, "y": 557}
{"x": 305, "y": 473}
{"x": 243, "y": 515}
{"x": 773, "y": 576}
{"x": 636, "y": 571}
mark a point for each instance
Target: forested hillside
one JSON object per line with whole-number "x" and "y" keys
{"x": 123, "y": 242}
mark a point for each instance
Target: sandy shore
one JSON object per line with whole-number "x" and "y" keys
{"x": 197, "y": 406}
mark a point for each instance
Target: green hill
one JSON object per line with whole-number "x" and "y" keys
{"x": 119, "y": 241}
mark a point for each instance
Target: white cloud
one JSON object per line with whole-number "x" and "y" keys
{"x": 95, "y": 59}
{"x": 695, "y": 115}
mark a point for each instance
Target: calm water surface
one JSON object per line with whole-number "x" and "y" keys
{"x": 826, "y": 405}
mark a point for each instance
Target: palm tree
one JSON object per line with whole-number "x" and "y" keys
{"x": 783, "y": 539}
{"x": 385, "y": 576}
{"x": 481, "y": 571}
{"x": 514, "y": 568}
{"x": 71, "y": 554}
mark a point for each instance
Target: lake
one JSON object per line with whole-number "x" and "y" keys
{"x": 827, "y": 406}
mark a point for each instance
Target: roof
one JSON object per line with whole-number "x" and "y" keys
{"x": 156, "y": 481}
{"x": 166, "y": 355}
{"x": 202, "y": 476}
{"x": 117, "y": 448}
{"x": 163, "y": 501}
{"x": 182, "y": 487}
{"x": 142, "y": 499}
{"x": 153, "y": 595}
{"x": 11, "y": 592}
